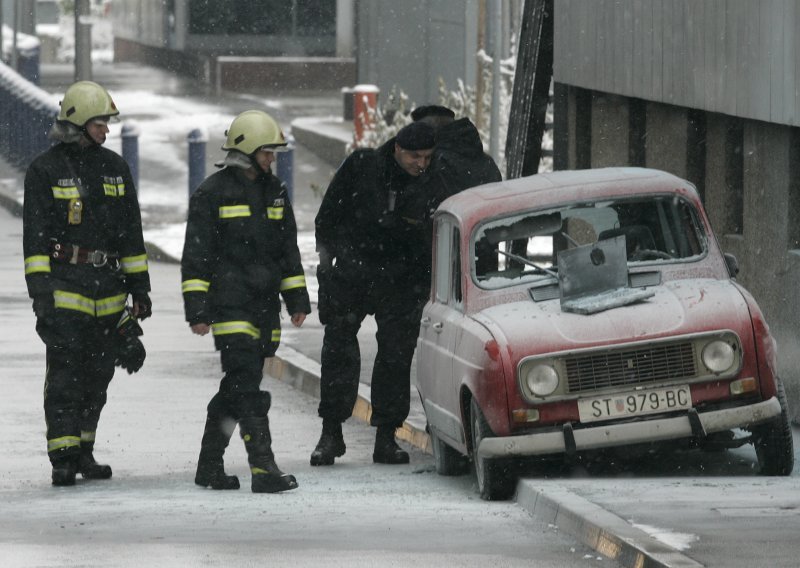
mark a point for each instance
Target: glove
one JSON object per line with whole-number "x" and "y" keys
{"x": 129, "y": 350}
{"x": 145, "y": 306}
{"x": 43, "y": 306}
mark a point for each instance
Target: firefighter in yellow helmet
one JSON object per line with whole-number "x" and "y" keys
{"x": 239, "y": 258}
{"x": 84, "y": 256}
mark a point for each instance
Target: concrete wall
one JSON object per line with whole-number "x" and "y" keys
{"x": 751, "y": 179}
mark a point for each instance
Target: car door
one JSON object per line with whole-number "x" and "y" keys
{"x": 439, "y": 331}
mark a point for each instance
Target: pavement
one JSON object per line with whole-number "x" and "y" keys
{"x": 652, "y": 518}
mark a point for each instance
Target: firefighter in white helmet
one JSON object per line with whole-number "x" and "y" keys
{"x": 240, "y": 257}
{"x": 84, "y": 256}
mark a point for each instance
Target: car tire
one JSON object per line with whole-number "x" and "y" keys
{"x": 496, "y": 478}
{"x": 447, "y": 460}
{"x": 773, "y": 441}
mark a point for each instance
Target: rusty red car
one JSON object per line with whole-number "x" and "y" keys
{"x": 585, "y": 310}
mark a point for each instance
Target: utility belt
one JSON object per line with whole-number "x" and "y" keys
{"x": 74, "y": 254}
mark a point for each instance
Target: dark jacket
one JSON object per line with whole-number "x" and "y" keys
{"x": 363, "y": 220}
{"x": 99, "y": 182}
{"x": 240, "y": 250}
{"x": 459, "y": 161}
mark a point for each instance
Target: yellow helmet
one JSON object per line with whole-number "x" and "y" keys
{"x": 253, "y": 130}
{"x": 84, "y": 101}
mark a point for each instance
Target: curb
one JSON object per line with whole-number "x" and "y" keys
{"x": 598, "y": 528}
{"x": 301, "y": 372}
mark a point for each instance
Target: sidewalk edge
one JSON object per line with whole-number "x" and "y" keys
{"x": 301, "y": 372}
{"x": 598, "y": 528}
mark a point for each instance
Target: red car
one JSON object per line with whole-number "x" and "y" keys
{"x": 582, "y": 310}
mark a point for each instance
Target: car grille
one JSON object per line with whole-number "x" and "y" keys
{"x": 642, "y": 365}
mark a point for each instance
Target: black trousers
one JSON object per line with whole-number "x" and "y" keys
{"x": 397, "y": 313}
{"x": 80, "y": 366}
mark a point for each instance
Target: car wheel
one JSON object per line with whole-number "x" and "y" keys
{"x": 447, "y": 460}
{"x": 773, "y": 441}
{"x": 495, "y": 477}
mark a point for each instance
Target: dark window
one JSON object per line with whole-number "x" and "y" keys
{"x": 734, "y": 177}
{"x": 263, "y": 17}
{"x": 794, "y": 190}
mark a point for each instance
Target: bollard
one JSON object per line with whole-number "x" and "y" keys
{"x": 130, "y": 149}
{"x": 347, "y": 100}
{"x": 365, "y": 104}
{"x": 197, "y": 158}
{"x": 285, "y": 167}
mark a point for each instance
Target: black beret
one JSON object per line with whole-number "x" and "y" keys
{"x": 431, "y": 110}
{"x": 416, "y": 136}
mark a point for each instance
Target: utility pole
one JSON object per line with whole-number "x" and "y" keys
{"x": 497, "y": 43}
{"x": 479, "y": 55}
{"x": 83, "y": 40}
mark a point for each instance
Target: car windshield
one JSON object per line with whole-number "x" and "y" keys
{"x": 525, "y": 246}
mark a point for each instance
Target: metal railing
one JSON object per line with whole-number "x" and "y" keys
{"x": 26, "y": 114}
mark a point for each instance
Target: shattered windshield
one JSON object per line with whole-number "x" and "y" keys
{"x": 525, "y": 246}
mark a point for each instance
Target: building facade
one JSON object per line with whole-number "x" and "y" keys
{"x": 710, "y": 91}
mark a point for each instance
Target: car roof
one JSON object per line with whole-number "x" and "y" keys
{"x": 549, "y": 189}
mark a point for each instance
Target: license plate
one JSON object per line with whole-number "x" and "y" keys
{"x": 636, "y": 403}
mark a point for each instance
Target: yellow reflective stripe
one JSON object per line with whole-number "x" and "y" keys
{"x": 120, "y": 189}
{"x": 101, "y": 307}
{"x": 63, "y": 442}
{"x": 110, "y": 189}
{"x": 37, "y": 263}
{"x": 65, "y": 192}
{"x": 231, "y": 327}
{"x": 195, "y": 285}
{"x": 87, "y": 436}
{"x": 134, "y": 264}
{"x": 276, "y": 334}
{"x": 110, "y": 305}
{"x": 293, "y": 282}
{"x": 258, "y": 471}
{"x": 231, "y": 211}
{"x": 275, "y": 213}
{"x": 70, "y": 301}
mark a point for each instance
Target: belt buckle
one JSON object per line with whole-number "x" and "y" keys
{"x": 98, "y": 258}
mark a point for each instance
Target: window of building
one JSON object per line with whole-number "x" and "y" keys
{"x": 302, "y": 18}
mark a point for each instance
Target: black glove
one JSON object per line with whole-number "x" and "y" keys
{"x": 44, "y": 306}
{"x": 129, "y": 350}
{"x": 142, "y": 300}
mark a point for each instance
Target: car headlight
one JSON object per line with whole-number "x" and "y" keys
{"x": 541, "y": 380}
{"x": 718, "y": 356}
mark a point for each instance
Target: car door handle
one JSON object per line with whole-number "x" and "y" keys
{"x": 438, "y": 326}
{"x": 425, "y": 322}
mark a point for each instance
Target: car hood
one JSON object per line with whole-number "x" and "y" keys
{"x": 677, "y": 307}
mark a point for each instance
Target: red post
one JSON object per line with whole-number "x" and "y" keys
{"x": 365, "y": 105}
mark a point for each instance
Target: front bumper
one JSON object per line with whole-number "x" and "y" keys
{"x": 610, "y": 435}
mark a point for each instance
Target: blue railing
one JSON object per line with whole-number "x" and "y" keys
{"x": 26, "y": 114}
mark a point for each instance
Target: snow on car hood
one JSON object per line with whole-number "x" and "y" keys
{"x": 678, "y": 307}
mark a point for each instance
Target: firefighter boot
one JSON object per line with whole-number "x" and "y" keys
{"x": 386, "y": 448}
{"x": 64, "y": 470}
{"x": 266, "y": 476}
{"x": 210, "y": 468}
{"x": 88, "y": 467}
{"x": 330, "y": 445}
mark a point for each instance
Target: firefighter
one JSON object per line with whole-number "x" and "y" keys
{"x": 240, "y": 256}
{"x": 372, "y": 262}
{"x": 84, "y": 255}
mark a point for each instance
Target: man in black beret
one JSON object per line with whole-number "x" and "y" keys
{"x": 373, "y": 260}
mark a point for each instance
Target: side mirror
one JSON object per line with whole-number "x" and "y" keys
{"x": 732, "y": 263}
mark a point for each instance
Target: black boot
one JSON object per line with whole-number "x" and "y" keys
{"x": 386, "y": 448}
{"x": 210, "y": 465}
{"x": 88, "y": 467}
{"x": 64, "y": 471}
{"x": 330, "y": 445}
{"x": 266, "y": 476}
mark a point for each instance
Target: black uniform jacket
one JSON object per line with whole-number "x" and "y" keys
{"x": 364, "y": 221}
{"x": 241, "y": 251}
{"x": 94, "y": 184}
